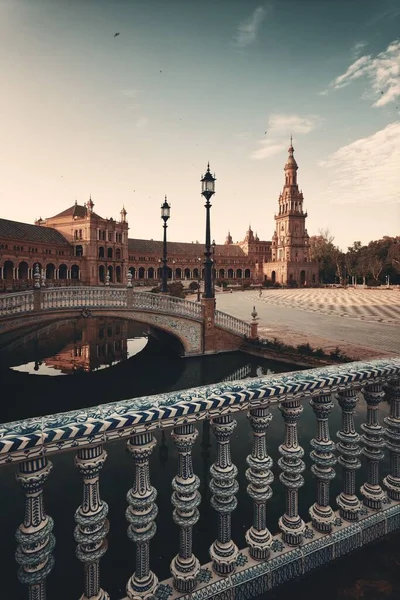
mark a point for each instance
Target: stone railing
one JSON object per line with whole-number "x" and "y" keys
{"x": 232, "y": 324}
{"x": 269, "y": 558}
{"x": 18, "y": 302}
{"x": 169, "y": 304}
{"x": 83, "y": 297}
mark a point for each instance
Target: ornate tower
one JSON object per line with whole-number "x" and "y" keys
{"x": 290, "y": 251}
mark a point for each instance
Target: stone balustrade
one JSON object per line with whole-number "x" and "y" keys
{"x": 233, "y": 324}
{"x": 273, "y": 555}
{"x": 18, "y": 302}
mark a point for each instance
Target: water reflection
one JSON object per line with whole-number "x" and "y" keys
{"x": 105, "y": 360}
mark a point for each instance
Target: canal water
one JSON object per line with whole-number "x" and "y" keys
{"x": 85, "y": 362}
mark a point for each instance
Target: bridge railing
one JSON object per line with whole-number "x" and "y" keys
{"x": 83, "y": 297}
{"x": 232, "y": 324}
{"x": 18, "y": 302}
{"x": 269, "y": 558}
{"x": 163, "y": 303}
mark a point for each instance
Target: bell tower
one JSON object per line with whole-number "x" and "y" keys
{"x": 290, "y": 240}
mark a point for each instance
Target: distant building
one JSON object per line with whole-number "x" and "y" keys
{"x": 77, "y": 246}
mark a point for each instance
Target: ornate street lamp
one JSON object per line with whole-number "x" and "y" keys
{"x": 208, "y": 190}
{"x": 165, "y": 214}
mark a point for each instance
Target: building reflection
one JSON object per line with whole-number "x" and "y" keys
{"x": 97, "y": 343}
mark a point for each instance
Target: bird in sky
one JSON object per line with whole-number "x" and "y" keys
{"x": 265, "y": 132}
{"x": 160, "y": 71}
{"x": 382, "y": 93}
{"x": 115, "y": 34}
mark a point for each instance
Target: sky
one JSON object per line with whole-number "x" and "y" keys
{"x": 133, "y": 117}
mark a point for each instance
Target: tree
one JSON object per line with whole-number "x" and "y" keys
{"x": 324, "y": 252}
{"x": 193, "y": 286}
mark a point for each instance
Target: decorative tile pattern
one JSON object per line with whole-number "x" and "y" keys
{"x": 164, "y": 591}
{"x": 189, "y": 332}
{"x": 241, "y": 560}
{"x": 277, "y": 546}
{"x": 204, "y": 575}
{"x": 121, "y": 419}
{"x": 309, "y": 533}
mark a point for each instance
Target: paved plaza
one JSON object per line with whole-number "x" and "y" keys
{"x": 363, "y": 322}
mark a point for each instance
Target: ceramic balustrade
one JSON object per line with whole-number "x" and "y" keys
{"x": 330, "y": 533}
{"x": 233, "y": 324}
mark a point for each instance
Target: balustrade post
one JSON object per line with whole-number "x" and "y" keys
{"x": 223, "y": 485}
{"x": 373, "y": 443}
{"x": 321, "y": 513}
{"x": 260, "y": 477}
{"x": 291, "y": 525}
{"x": 392, "y": 434}
{"x": 34, "y": 536}
{"x": 185, "y": 498}
{"x": 349, "y": 504}
{"x": 92, "y": 524}
{"x": 141, "y": 513}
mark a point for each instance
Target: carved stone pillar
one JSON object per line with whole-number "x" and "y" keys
{"x": 349, "y": 504}
{"x": 392, "y": 434}
{"x": 223, "y": 486}
{"x": 291, "y": 525}
{"x": 92, "y": 525}
{"x": 141, "y": 513}
{"x": 34, "y": 536}
{"x": 185, "y": 567}
{"x": 373, "y": 443}
{"x": 260, "y": 477}
{"x": 321, "y": 513}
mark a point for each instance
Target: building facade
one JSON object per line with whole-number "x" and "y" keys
{"x": 77, "y": 246}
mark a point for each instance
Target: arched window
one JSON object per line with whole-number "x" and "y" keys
{"x": 273, "y": 276}
{"x": 221, "y": 274}
{"x": 50, "y": 270}
{"x": 62, "y": 272}
{"x": 118, "y": 274}
{"x": 195, "y": 273}
{"x": 150, "y": 273}
{"x": 178, "y": 273}
{"x": 75, "y": 234}
{"x": 133, "y": 271}
{"x": 187, "y": 273}
{"x": 230, "y": 273}
{"x": 23, "y": 270}
{"x": 79, "y": 250}
{"x": 118, "y": 253}
{"x": 101, "y": 274}
{"x": 247, "y": 274}
{"x": 141, "y": 272}
{"x": 239, "y": 273}
{"x": 169, "y": 274}
{"x": 101, "y": 252}
{"x": 111, "y": 273}
{"x": 109, "y": 253}
{"x": 75, "y": 272}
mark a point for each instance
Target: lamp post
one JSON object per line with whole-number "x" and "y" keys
{"x": 165, "y": 214}
{"x": 198, "y": 279}
{"x": 208, "y": 190}
{"x": 214, "y": 271}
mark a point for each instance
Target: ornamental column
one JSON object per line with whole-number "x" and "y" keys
{"x": 223, "y": 486}
{"x": 321, "y": 513}
{"x": 141, "y": 513}
{"x": 349, "y": 504}
{"x": 185, "y": 498}
{"x": 371, "y": 491}
{"x": 92, "y": 524}
{"x": 260, "y": 477}
{"x": 392, "y": 434}
{"x": 291, "y": 525}
{"x": 34, "y": 536}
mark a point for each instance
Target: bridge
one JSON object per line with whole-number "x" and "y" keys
{"x": 336, "y": 526}
{"x": 200, "y": 328}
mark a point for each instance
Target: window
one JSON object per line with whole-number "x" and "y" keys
{"x": 110, "y": 236}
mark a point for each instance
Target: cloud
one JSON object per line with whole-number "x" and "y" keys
{"x": 383, "y": 73}
{"x": 248, "y": 29}
{"x": 279, "y": 128}
{"x": 357, "y": 49}
{"x": 142, "y": 122}
{"x": 366, "y": 171}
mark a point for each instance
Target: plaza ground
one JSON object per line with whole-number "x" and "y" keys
{"x": 364, "y": 323}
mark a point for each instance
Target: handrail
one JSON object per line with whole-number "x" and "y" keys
{"x": 20, "y": 440}
{"x": 231, "y": 323}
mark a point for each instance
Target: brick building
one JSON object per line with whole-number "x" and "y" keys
{"x": 77, "y": 246}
